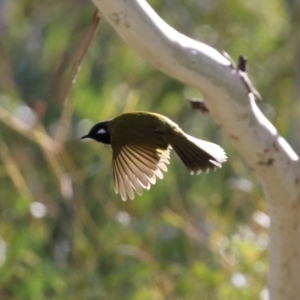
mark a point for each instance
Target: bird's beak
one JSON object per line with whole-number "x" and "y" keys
{"x": 85, "y": 136}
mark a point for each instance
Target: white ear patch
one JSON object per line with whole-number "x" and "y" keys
{"x": 101, "y": 131}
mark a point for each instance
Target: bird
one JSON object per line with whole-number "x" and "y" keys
{"x": 141, "y": 143}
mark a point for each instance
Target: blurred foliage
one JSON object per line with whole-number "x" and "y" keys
{"x": 64, "y": 234}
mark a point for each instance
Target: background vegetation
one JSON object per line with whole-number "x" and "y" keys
{"x": 64, "y": 234}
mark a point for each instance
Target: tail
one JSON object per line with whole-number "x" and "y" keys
{"x": 196, "y": 154}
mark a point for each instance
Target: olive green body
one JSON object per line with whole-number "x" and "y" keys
{"x": 144, "y": 128}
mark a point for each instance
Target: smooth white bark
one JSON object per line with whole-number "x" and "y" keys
{"x": 236, "y": 112}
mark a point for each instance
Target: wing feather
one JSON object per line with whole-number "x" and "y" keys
{"x": 162, "y": 166}
{"x": 141, "y": 162}
{"x": 141, "y": 177}
{"x": 158, "y": 173}
{"x": 121, "y": 187}
{"x": 136, "y": 167}
{"x": 140, "y": 154}
{"x": 116, "y": 182}
{"x": 135, "y": 176}
{"x": 125, "y": 173}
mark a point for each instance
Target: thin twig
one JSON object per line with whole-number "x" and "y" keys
{"x": 15, "y": 173}
{"x": 66, "y": 115}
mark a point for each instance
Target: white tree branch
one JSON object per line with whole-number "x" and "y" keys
{"x": 234, "y": 109}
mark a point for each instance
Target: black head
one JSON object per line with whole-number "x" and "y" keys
{"x": 99, "y": 133}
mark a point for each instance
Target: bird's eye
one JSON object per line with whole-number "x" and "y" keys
{"x": 101, "y": 131}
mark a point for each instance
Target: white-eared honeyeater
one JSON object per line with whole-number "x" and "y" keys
{"x": 141, "y": 144}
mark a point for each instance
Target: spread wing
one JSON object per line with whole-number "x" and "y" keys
{"x": 138, "y": 159}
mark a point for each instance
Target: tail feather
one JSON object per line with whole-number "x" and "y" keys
{"x": 196, "y": 154}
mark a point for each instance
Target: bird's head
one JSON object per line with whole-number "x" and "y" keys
{"x": 99, "y": 133}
